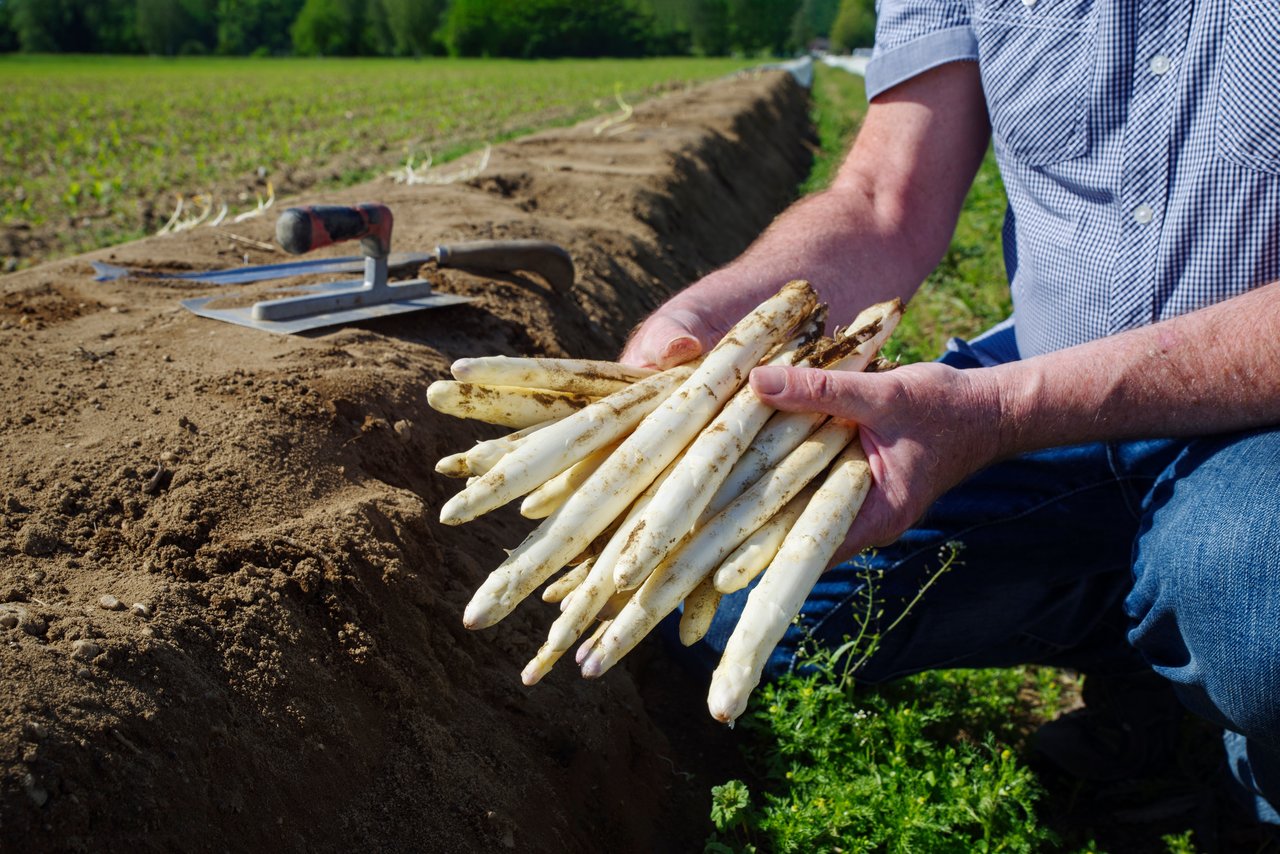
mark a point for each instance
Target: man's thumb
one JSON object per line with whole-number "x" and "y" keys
{"x": 809, "y": 390}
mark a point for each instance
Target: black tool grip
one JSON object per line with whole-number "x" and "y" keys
{"x": 299, "y": 230}
{"x": 547, "y": 259}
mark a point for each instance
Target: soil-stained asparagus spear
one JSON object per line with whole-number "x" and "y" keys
{"x": 656, "y": 442}
{"x": 540, "y": 457}
{"x": 702, "y": 469}
{"x": 677, "y": 576}
{"x": 855, "y": 349}
{"x": 484, "y": 455}
{"x": 590, "y": 596}
{"x": 510, "y": 406}
{"x": 581, "y": 376}
{"x": 779, "y": 596}
{"x": 557, "y": 590}
{"x": 454, "y": 465}
{"x": 699, "y": 610}
{"x": 757, "y": 551}
{"x": 544, "y": 500}
{"x": 587, "y": 645}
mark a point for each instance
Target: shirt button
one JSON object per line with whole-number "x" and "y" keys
{"x": 1028, "y": 2}
{"x": 1143, "y": 214}
{"x": 1160, "y": 64}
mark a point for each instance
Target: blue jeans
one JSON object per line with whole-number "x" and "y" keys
{"x": 1106, "y": 558}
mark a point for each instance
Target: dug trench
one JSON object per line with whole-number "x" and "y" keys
{"x": 229, "y": 619}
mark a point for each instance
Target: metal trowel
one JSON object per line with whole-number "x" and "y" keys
{"x": 303, "y": 229}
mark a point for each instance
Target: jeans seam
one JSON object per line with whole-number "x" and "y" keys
{"x": 958, "y": 535}
{"x": 1132, "y": 499}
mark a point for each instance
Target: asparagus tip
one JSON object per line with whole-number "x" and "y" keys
{"x": 532, "y": 673}
{"x": 475, "y": 616}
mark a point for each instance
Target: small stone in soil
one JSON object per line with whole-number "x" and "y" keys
{"x": 11, "y": 615}
{"x": 36, "y": 539}
{"x": 38, "y": 795}
{"x": 85, "y": 650}
{"x": 110, "y": 603}
{"x": 141, "y": 609}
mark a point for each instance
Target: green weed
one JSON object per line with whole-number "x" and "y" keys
{"x": 924, "y": 765}
{"x": 1179, "y": 843}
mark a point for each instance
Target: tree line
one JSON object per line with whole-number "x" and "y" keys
{"x": 506, "y": 28}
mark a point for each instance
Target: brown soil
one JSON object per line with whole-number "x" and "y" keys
{"x": 299, "y": 678}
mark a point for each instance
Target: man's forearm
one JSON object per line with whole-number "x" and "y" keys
{"x": 1210, "y": 371}
{"x": 838, "y": 242}
{"x": 890, "y": 212}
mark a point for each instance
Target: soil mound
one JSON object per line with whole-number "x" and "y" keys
{"x": 228, "y": 617}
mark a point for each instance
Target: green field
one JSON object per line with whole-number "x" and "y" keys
{"x": 96, "y": 149}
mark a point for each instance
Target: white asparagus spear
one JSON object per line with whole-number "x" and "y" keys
{"x": 781, "y": 593}
{"x": 454, "y": 465}
{"x": 544, "y": 500}
{"x": 699, "y": 610}
{"x": 702, "y": 469}
{"x": 510, "y": 406}
{"x": 854, "y": 351}
{"x": 657, "y": 440}
{"x": 483, "y": 455}
{"x": 614, "y": 604}
{"x": 757, "y": 551}
{"x": 781, "y": 435}
{"x": 559, "y": 589}
{"x": 582, "y": 376}
{"x": 579, "y": 609}
{"x": 677, "y": 576}
{"x": 553, "y": 449}
{"x": 589, "y": 643}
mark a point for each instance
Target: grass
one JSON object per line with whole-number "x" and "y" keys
{"x": 929, "y": 763}
{"x": 97, "y": 148}
{"x": 937, "y": 762}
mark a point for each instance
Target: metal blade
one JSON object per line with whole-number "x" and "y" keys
{"x": 244, "y": 315}
{"x": 265, "y": 272}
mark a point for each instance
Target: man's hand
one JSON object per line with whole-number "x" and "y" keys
{"x": 924, "y": 428}
{"x": 690, "y": 324}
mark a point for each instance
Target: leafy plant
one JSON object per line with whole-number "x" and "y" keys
{"x": 1179, "y": 843}
{"x": 919, "y": 766}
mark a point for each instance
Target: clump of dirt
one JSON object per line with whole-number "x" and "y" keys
{"x": 229, "y": 618}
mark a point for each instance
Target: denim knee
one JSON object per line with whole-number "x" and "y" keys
{"x": 1205, "y": 604}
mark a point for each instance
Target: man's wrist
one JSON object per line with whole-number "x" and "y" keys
{"x": 1017, "y": 389}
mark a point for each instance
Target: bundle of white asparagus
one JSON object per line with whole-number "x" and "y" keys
{"x": 662, "y": 488}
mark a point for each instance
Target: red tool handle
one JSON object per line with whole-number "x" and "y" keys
{"x": 300, "y": 230}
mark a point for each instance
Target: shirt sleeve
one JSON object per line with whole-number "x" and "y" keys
{"x": 913, "y": 36}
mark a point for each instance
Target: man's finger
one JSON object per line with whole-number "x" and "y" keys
{"x": 839, "y": 393}
{"x": 670, "y": 338}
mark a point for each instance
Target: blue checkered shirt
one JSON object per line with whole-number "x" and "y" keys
{"x": 1139, "y": 144}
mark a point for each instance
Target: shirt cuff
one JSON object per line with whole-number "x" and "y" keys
{"x": 888, "y": 69}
